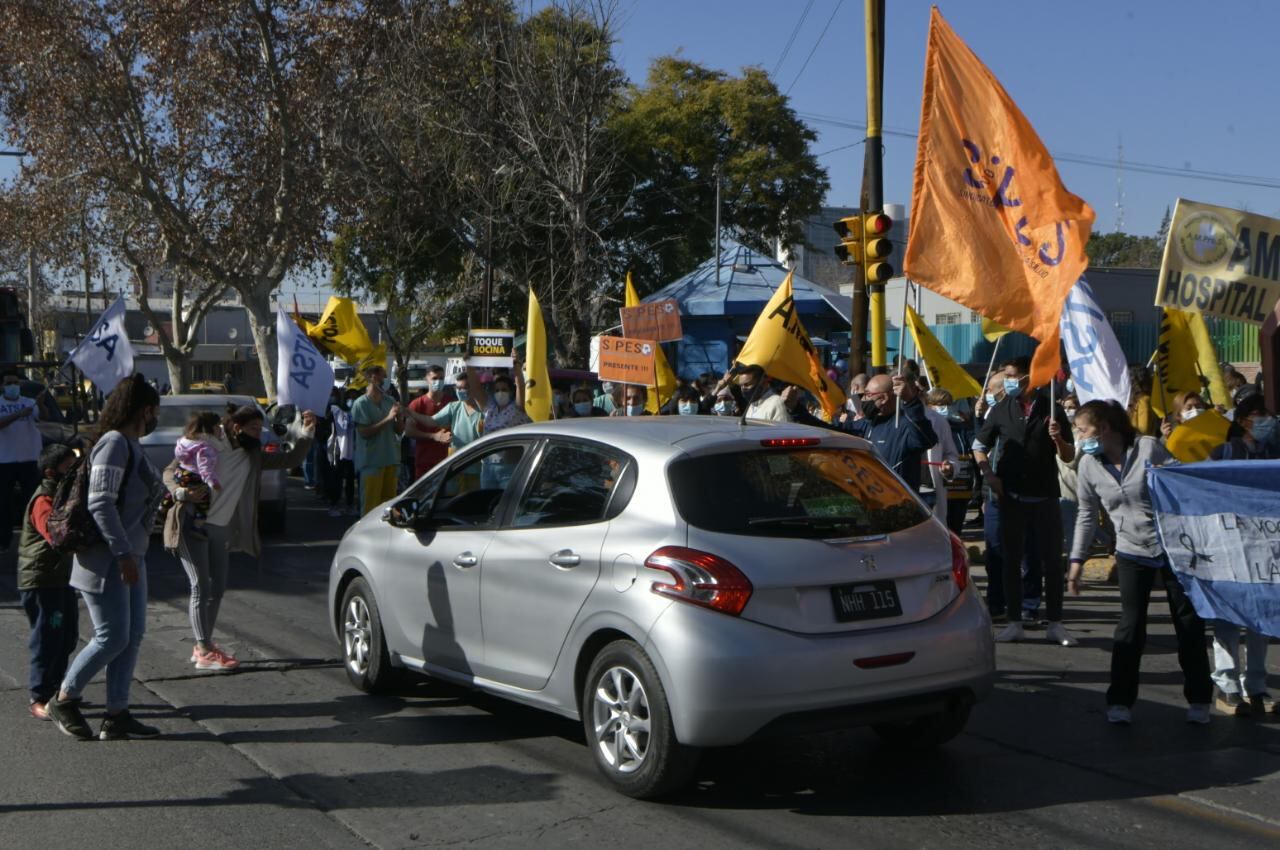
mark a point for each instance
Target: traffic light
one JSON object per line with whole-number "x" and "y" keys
{"x": 877, "y": 248}
{"x": 849, "y": 229}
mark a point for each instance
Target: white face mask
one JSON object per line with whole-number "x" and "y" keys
{"x": 942, "y": 409}
{"x": 635, "y": 409}
{"x": 1188, "y": 415}
{"x": 502, "y": 399}
{"x": 1071, "y": 413}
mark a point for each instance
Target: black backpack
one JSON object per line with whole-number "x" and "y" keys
{"x": 71, "y": 527}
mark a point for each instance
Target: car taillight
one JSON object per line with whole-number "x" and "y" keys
{"x": 701, "y": 578}
{"x": 789, "y": 442}
{"x": 271, "y": 448}
{"x": 959, "y": 563}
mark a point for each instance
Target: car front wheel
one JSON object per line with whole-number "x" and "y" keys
{"x": 628, "y": 724}
{"x": 364, "y": 652}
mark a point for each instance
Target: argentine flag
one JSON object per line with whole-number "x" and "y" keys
{"x": 1220, "y": 525}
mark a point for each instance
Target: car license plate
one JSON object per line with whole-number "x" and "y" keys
{"x": 868, "y": 600}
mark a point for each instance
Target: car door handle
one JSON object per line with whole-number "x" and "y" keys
{"x": 565, "y": 558}
{"x": 466, "y": 559}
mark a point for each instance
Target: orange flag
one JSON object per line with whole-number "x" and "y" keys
{"x": 992, "y": 226}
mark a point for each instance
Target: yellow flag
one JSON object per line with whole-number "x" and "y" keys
{"x": 1207, "y": 361}
{"x": 780, "y": 345}
{"x": 993, "y": 330}
{"x": 1175, "y": 361}
{"x": 666, "y": 378}
{"x": 1192, "y": 440}
{"x": 341, "y": 332}
{"x": 377, "y": 355}
{"x": 943, "y": 371}
{"x": 537, "y": 383}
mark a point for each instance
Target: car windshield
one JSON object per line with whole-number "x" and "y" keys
{"x": 813, "y": 493}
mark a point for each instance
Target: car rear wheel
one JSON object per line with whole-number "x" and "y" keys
{"x": 628, "y": 724}
{"x": 928, "y": 732}
{"x": 364, "y": 652}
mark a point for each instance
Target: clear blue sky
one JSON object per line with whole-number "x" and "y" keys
{"x": 1182, "y": 83}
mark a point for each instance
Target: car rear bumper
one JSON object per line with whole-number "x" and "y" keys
{"x": 728, "y": 679}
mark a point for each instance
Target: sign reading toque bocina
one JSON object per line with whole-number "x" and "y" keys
{"x": 490, "y": 348}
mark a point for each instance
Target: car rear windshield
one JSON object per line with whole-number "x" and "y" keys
{"x": 814, "y": 493}
{"x": 176, "y": 415}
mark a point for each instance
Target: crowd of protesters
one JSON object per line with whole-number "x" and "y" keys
{"x": 1050, "y": 481}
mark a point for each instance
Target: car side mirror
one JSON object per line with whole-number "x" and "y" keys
{"x": 404, "y": 514}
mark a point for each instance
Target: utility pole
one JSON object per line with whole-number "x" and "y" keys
{"x": 33, "y": 320}
{"x": 717, "y": 173}
{"x": 873, "y": 170}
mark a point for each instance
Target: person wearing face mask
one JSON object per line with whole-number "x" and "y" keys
{"x": 634, "y": 398}
{"x": 427, "y": 450}
{"x": 894, "y": 421}
{"x": 503, "y": 401}
{"x": 379, "y": 422}
{"x": 687, "y": 402}
{"x": 857, "y": 386}
{"x": 609, "y": 398}
{"x": 1031, "y": 433}
{"x": 20, "y": 446}
{"x": 725, "y": 404}
{"x": 1143, "y": 419}
{"x": 943, "y": 458}
{"x": 1253, "y": 436}
{"x": 758, "y": 397}
{"x": 1186, "y": 406}
{"x": 583, "y": 405}
{"x": 1113, "y": 478}
{"x": 341, "y": 450}
{"x": 111, "y": 575}
{"x": 954, "y": 479}
{"x": 231, "y": 524}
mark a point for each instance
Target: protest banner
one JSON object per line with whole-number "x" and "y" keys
{"x": 105, "y": 355}
{"x": 1175, "y": 362}
{"x": 780, "y": 345}
{"x": 1191, "y": 441}
{"x": 656, "y": 320}
{"x": 491, "y": 348}
{"x": 340, "y": 331}
{"x": 992, "y": 226}
{"x": 664, "y": 385}
{"x": 1220, "y": 262}
{"x": 1097, "y": 363}
{"x": 1219, "y": 526}
{"x": 627, "y": 361}
{"x": 304, "y": 378}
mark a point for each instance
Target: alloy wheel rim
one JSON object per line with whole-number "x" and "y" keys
{"x": 621, "y": 720}
{"x": 357, "y": 636}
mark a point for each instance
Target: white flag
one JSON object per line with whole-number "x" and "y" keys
{"x": 105, "y": 355}
{"x": 304, "y": 378}
{"x": 1097, "y": 364}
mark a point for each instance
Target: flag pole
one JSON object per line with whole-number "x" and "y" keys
{"x": 991, "y": 367}
{"x": 902, "y": 347}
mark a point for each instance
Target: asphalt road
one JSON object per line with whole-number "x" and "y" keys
{"x": 286, "y": 754}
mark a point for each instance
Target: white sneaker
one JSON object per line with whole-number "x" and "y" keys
{"x": 1012, "y": 633}
{"x": 1119, "y": 715}
{"x": 1057, "y": 633}
{"x": 1198, "y": 713}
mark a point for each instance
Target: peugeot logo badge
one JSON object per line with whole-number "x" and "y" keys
{"x": 869, "y": 563}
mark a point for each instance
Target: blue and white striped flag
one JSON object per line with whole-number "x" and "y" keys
{"x": 1220, "y": 525}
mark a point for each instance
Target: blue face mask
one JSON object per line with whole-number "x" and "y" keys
{"x": 1071, "y": 385}
{"x": 1091, "y": 446}
{"x": 1264, "y": 428}
{"x": 688, "y": 408}
{"x": 462, "y": 394}
{"x": 582, "y": 408}
{"x": 435, "y": 385}
{"x": 723, "y": 408}
{"x": 942, "y": 409}
{"x": 991, "y": 399}
{"x": 12, "y": 392}
{"x": 635, "y": 409}
{"x": 1012, "y": 387}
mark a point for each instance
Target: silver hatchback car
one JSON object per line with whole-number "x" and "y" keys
{"x": 673, "y": 582}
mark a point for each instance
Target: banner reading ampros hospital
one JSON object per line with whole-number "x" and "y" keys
{"x": 1220, "y": 262}
{"x": 1219, "y": 523}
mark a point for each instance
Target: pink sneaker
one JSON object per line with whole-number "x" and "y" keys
{"x": 215, "y": 659}
{"x": 195, "y": 652}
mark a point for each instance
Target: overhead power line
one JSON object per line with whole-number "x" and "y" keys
{"x": 786, "y": 50}
{"x": 814, "y": 49}
{"x": 1091, "y": 160}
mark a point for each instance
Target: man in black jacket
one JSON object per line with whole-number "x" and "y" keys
{"x": 1026, "y": 484}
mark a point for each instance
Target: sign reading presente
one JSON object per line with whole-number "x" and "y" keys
{"x": 627, "y": 361}
{"x": 490, "y": 348}
{"x": 1220, "y": 262}
{"x": 655, "y": 320}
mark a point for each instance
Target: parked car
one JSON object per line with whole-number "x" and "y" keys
{"x": 673, "y": 583}
{"x": 55, "y": 424}
{"x": 175, "y": 410}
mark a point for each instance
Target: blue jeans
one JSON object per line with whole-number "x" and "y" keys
{"x": 995, "y": 561}
{"x": 119, "y": 615}
{"x": 309, "y": 465}
{"x": 54, "y": 616}
{"x": 1226, "y": 659}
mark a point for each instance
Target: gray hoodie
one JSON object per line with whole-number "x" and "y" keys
{"x": 125, "y": 519}
{"x": 1126, "y": 501}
